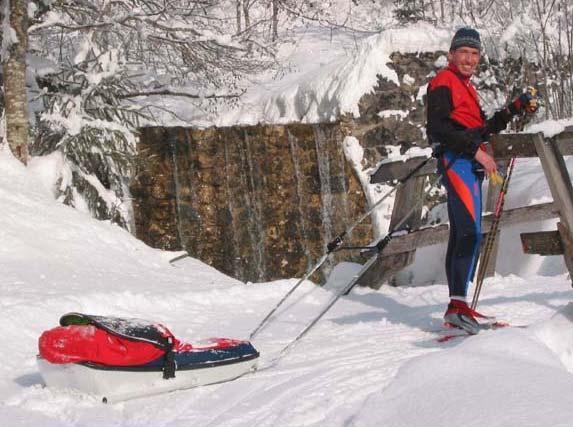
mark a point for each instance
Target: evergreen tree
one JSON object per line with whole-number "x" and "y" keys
{"x": 107, "y": 59}
{"x": 407, "y": 11}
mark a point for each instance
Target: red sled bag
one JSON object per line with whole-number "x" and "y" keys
{"x": 87, "y": 343}
{"x": 117, "y": 359}
{"x": 109, "y": 341}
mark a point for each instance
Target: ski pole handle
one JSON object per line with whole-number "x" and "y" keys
{"x": 335, "y": 243}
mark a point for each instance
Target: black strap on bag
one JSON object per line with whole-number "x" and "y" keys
{"x": 131, "y": 329}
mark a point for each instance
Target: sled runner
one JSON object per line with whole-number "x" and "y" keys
{"x": 118, "y": 359}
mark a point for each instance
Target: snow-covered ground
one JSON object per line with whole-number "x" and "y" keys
{"x": 372, "y": 361}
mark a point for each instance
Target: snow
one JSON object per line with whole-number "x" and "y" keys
{"x": 513, "y": 370}
{"x": 9, "y": 36}
{"x": 550, "y": 128}
{"x": 325, "y": 75}
{"x": 393, "y": 113}
{"x": 354, "y": 153}
{"x": 372, "y": 360}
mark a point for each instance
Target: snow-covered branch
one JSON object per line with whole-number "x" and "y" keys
{"x": 168, "y": 92}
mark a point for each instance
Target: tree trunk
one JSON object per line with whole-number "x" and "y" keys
{"x": 275, "y": 20}
{"x": 246, "y": 16}
{"x": 239, "y": 7}
{"x": 14, "y": 68}
{"x": 2, "y": 100}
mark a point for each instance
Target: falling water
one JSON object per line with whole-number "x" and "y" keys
{"x": 256, "y": 227}
{"x": 173, "y": 145}
{"x": 237, "y": 266}
{"x": 293, "y": 143}
{"x": 188, "y": 201}
{"x": 342, "y": 173}
{"x": 325, "y": 184}
{"x": 244, "y": 250}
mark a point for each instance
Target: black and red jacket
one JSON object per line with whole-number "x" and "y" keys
{"x": 455, "y": 119}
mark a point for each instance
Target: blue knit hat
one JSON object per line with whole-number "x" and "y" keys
{"x": 466, "y": 36}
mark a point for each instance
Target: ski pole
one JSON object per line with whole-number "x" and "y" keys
{"x": 380, "y": 246}
{"x": 263, "y": 322}
{"x": 333, "y": 245}
{"x": 492, "y": 235}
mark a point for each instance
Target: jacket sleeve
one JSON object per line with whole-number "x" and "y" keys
{"x": 442, "y": 129}
{"x": 498, "y": 121}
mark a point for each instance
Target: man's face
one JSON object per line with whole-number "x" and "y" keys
{"x": 466, "y": 59}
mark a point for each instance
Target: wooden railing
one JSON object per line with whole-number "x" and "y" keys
{"x": 401, "y": 250}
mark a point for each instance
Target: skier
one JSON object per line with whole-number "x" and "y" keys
{"x": 458, "y": 131}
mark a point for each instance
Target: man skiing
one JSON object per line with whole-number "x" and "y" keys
{"x": 457, "y": 129}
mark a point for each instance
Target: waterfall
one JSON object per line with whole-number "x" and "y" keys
{"x": 256, "y": 202}
{"x": 237, "y": 266}
{"x": 323, "y": 160}
{"x": 342, "y": 174}
{"x": 255, "y": 217}
{"x": 293, "y": 144}
{"x": 172, "y": 140}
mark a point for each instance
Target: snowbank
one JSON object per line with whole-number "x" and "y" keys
{"x": 327, "y": 75}
{"x": 506, "y": 378}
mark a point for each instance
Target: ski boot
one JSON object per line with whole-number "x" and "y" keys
{"x": 460, "y": 315}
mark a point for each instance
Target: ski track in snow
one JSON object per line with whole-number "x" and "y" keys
{"x": 351, "y": 356}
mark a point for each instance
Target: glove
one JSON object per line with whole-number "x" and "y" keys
{"x": 495, "y": 178}
{"x": 485, "y": 135}
{"x": 526, "y": 102}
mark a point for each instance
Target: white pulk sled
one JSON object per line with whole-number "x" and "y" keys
{"x": 118, "y": 359}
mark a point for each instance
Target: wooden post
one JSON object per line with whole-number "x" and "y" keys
{"x": 557, "y": 178}
{"x": 542, "y": 242}
{"x": 406, "y": 197}
{"x": 559, "y": 183}
{"x": 567, "y": 242}
{"x": 387, "y": 266}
